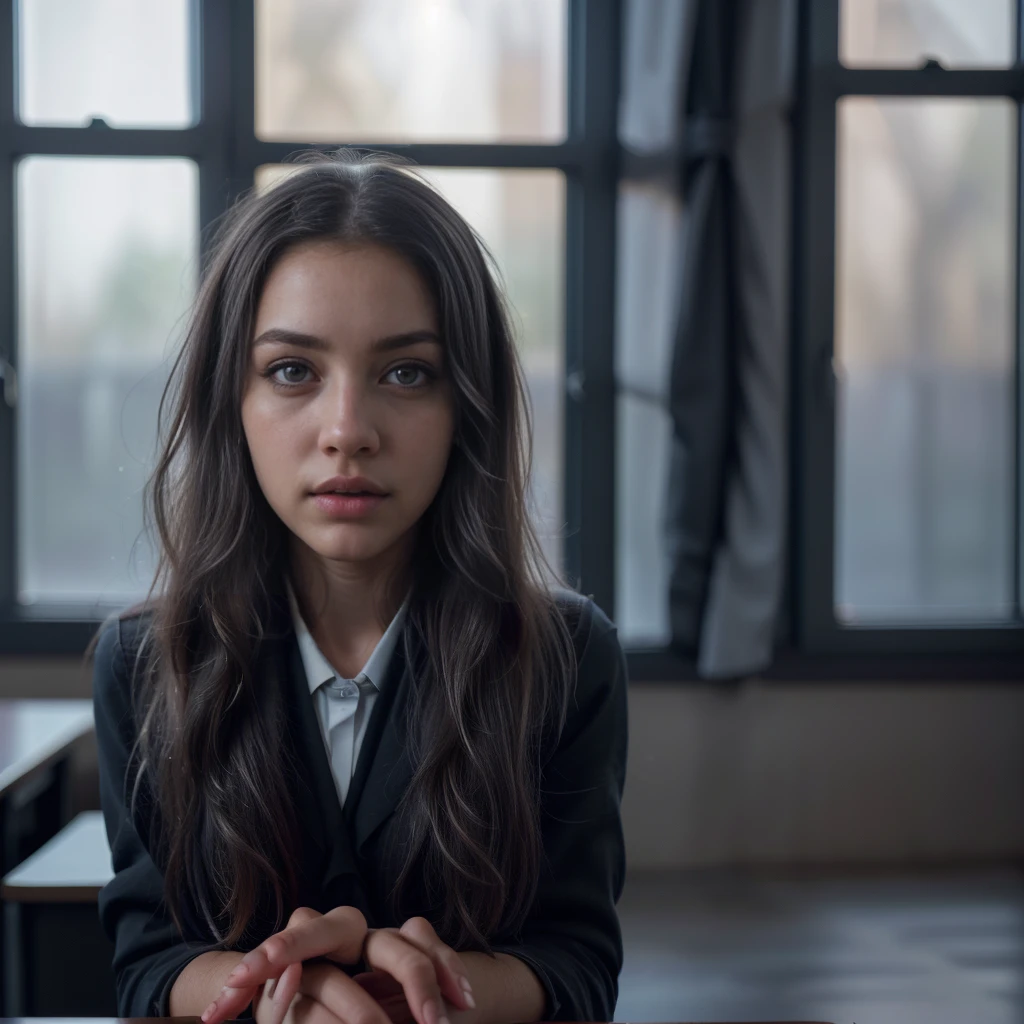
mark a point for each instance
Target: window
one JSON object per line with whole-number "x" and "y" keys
{"x": 116, "y": 104}
{"x": 104, "y": 277}
{"x": 401, "y": 71}
{"x": 908, "y": 444}
{"x": 924, "y": 360}
{"x": 907, "y": 368}
{"x": 125, "y": 63}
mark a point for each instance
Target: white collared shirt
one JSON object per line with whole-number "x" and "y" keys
{"x": 343, "y": 705}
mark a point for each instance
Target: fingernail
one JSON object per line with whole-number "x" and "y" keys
{"x": 443, "y": 1020}
{"x": 238, "y": 973}
{"x": 464, "y": 982}
{"x": 470, "y": 1001}
{"x": 208, "y": 1012}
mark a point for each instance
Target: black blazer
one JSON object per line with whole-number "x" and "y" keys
{"x": 571, "y": 938}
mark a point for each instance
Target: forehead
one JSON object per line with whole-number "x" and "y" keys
{"x": 327, "y": 288}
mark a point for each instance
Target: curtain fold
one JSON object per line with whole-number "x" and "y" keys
{"x": 724, "y": 522}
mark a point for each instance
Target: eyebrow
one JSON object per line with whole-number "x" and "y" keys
{"x": 281, "y": 335}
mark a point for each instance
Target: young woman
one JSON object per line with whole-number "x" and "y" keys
{"x": 361, "y": 759}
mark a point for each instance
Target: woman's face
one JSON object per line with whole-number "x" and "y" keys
{"x": 347, "y": 378}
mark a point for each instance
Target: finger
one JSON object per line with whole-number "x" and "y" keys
{"x": 337, "y": 935}
{"x": 388, "y": 950}
{"x": 229, "y": 1004}
{"x": 246, "y": 973}
{"x": 380, "y": 985}
{"x": 448, "y": 965}
{"x": 338, "y": 993}
{"x": 388, "y": 992}
{"x": 285, "y": 991}
{"x": 239, "y": 984}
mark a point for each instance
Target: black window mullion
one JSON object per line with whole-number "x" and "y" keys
{"x": 814, "y": 319}
{"x": 843, "y": 81}
{"x": 100, "y": 141}
{"x": 244, "y": 156}
{"x": 211, "y": 78}
{"x": 566, "y": 156}
{"x": 591, "y": 194}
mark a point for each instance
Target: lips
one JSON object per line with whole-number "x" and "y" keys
{"x": 348, "y": 506}
{"x": 352, "y": 485}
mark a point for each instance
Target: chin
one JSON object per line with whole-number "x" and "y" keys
{"x": 348, "y": 552}
{"x": 352, "y": 549}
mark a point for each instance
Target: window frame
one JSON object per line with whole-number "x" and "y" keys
{"x": 224, "y": 145}
{"x": 969, "y": 651}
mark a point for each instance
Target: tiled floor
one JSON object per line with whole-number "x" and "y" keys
{"x": 918, "y": 949}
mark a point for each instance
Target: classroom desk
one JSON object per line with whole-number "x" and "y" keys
{"x": 58, "y": 956}
{"x": 38, "y": 741}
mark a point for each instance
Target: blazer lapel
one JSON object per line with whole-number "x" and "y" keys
{"x": 382, "y": 772}
{"x": 317, "y": 800}
{"x": 384, "y": 768}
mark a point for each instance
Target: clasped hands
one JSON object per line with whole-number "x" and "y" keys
{"x": 411, "y": 973}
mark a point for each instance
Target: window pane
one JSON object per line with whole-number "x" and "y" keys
{"x": 380, "y": 70}
{"x": 903, "y": 33}
{"x": 106, "y": 266}
{"x": 641, "y": 569}
{"x": 649, "y": 229}
{"x": 924, "y": 359}
{"x": 122, "y": 60}
{"x": 520, "y": 215}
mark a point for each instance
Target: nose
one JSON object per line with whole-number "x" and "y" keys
{"x": 349, "y": 427}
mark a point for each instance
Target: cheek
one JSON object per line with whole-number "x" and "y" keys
{"x": 265, "y": 441}
{"x": 425, "y": 445}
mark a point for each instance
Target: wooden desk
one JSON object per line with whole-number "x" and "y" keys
{"x": 59, "y": 957}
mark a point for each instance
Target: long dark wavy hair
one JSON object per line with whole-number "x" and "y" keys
{"x": 210, "y": 731}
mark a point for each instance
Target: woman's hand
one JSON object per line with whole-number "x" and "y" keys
{"x": 386, "y": 987}
{"x": 341, "y": 932}
{"x": 427, "y": 971}
{"x": 274, "y": 1000}
{"x": 302, "y": 993}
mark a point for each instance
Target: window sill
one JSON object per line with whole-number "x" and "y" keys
{"x": 793, "y": 666}
{"x": 47, "y": 633}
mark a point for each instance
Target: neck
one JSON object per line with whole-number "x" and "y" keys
{"x": 348, "y": 605}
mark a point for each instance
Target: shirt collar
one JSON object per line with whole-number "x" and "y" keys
{"x": 319, "y": 670}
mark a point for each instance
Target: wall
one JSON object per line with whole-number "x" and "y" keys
{"x": 818, "y": 774}
{"x": 774, "y": 773}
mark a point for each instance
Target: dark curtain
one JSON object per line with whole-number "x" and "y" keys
{"x": 725, "y": 513}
